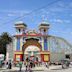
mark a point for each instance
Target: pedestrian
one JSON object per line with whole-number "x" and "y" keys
{"x": 20, "y": 65}
{"x": 31, "y": 64}
{"x": 47, "y": 65}
{"x": 26, "y": 65}
{"x": 9, "y": 64}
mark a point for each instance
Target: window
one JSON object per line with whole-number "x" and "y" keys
{"x": 18, "y": 44}
{"x": 19, "y": 30}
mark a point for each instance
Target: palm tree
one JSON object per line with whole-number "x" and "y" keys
{"x": 5, "y": 39}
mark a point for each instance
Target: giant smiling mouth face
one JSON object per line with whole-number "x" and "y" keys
{"x": 32, "y": 50}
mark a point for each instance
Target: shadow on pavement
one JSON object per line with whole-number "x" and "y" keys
{"x": 23, "y": 71}
{"x": 18, "y": 71}
{"x": 56, "y": 69}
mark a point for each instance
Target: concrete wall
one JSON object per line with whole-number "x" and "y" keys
{"x": 70, "y": 57}
{"x": 54, "y": 57}
{"x": 10, "y": 51}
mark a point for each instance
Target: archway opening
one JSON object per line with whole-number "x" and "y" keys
{"x": 31, "y": 50}
{"x": 32, "y": 53}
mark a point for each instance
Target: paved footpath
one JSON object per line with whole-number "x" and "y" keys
{"x": 40, "y": 69}
{"x": 16, "y": 69}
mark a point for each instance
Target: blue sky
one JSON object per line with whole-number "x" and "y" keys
{"x": 32, "y": 12}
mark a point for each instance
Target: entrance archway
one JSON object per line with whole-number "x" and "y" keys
{"x": 31, "y": 49}
{"x": 33, "y": 53}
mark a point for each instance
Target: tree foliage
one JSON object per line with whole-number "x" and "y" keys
{"x": 5, "y": 39}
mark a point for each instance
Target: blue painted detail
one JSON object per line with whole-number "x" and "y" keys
{"x": 45, "y": 44}
{"x": 18, "y": 44}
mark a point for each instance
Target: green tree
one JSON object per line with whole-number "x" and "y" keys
{"x": 5, "y": 39}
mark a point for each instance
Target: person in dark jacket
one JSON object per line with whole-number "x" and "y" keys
{"x": 10, "y": 65}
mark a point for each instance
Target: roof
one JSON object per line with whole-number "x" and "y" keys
{"x": 20, "y": 24}
{"x": 44, "y": 23}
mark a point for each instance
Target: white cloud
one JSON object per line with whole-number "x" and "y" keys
{"x": 11, "y": 14}
{"x": 44, "y": 11}
{"x": 56, "y": 9}
{"x": 15, "y": 12}
{"x": 57, "y": 20}
{"x": 61, "y": 4}
{"x": 55, "y": 31}
{"x": 60, "y": 21}
{"x": 67, "y": 21}
{"x": 62, "y": 32}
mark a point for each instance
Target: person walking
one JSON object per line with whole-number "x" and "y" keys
{"x": 47, "y": 64}
{"x": 9, "y": 65}
{"x": 20, "y": 65}
{"x": 26, "y": 65}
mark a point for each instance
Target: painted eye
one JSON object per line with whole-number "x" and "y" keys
{"x": 29, "y": 51}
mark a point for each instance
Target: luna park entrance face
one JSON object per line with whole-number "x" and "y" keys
{"x": 32, "y": 53}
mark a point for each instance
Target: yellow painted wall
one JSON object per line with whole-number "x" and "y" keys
{"x": 17, "y": 57}
{"x": 18, "y": 52}
{"x": 46, "y": 58}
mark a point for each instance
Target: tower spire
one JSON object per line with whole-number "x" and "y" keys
{"x": 43, "y": 27}
{"x": 20, "y": 27}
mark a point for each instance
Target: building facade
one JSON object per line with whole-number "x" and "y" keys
{"x": 39, "y": 46}
{"x": 31, "y": 44}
